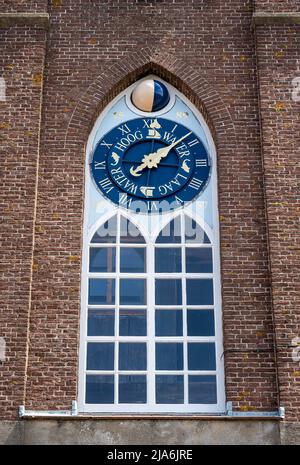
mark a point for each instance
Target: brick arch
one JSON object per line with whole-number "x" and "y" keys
{"x": 119, "y": 76}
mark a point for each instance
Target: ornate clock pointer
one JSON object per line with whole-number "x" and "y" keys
{"x": 153, "y": 159}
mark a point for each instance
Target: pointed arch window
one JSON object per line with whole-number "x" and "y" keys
{"x": 151, "y": 326}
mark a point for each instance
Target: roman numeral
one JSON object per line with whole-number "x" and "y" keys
{"x": 193, "y": 142}
{"x": 195, "y": 184}
{"x": 106, "y": 185}
{"x": 179, "y": 200}
{"x": 201, "y": 162}
{"x": 124, "y": 200}
{"x": 105, "y": 144}
{"x": 124, "y": 129}
{"x": 99, "y": 165}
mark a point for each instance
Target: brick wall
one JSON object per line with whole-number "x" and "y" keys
{"x": 279, "y": 63}
{"x": 96, "y": 49}
{"x": 21, "y": 65}
{"x": 277, "y": 6}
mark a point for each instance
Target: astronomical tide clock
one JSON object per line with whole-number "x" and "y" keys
{"x": 150, "y": 159}
{"x": 151, "y": 336}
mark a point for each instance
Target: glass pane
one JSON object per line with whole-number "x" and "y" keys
{"x": 169, "y": 356}
{"x": 201, "y": 356}
{"x": 132, "y": 389}
{"x": 169, "y": 389}
{"x": 101, "y": 291}
{"x": 168, "y": 323}
{"x": 133, "y": 291}
{"x": 168, "y": 260}
{"x": 101, "y": 322}
{"x": 107, "y": 232}
{"x": 171, "y": 233}
{"x": 132, "y": 260}
{"x": 199, "y": 292}
{"x": 133, "y": 322}
{"x": 200, "y": 323}
{"x": 99, "y": 389}
{"x": 194, "y": 233}
{"x": 129, "y": 233}
{"x": 132, "y": 356}
{"x": 202, "y": 390}
{"x": 168, "y": 292}
{"x": 100, "y": 356}
{"x": 103, "y": 260}
{"x": 199, "y": 260}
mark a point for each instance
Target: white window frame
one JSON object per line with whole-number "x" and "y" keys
{"x": 150, "y": 239}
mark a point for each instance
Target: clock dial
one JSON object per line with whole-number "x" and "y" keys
{"x": 150, "y": 165}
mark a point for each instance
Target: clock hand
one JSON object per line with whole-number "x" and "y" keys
{"x": 153, "y": 159}
{"x": 163, "y": 152}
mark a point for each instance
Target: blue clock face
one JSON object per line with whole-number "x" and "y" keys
{"x": 150, "y": 165}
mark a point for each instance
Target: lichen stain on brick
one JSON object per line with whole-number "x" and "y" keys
{"x": 279, "y": 106}
{"x": 73, "y": 258}
{"x": 5, "y": 125}
{"x": 37, "y": 79}
{"x": 35, "y": 267}
{"x": 57, "y": 3}
{"x": 279, "y": 55}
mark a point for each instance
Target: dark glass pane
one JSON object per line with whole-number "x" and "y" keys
{"x": 168, "y": 260}
{"x": 194, "y": 233}
{"x": 200, "y": 323}
{"x": 100, "y": 356}
{"x": 168, "y": 323}
{"x": 132, "y": 356}
{"x": 129, "y": 233}
{"x": 199, "y": 292}
{"x": 202, "y": 390}
{"x": 199, "y": 260}
{"x": 103, "y": 260}
{"x": 171, "y": 233}
{"x": 201, "y": 356}
{"x": 99, "y": 389}
{"x": 101, "y": 322}
{"x": 132, "y": 260}
{"x": 133, "y": 322}
{"x": 132, "y": 389}
{"x": 132, "y": 291}
{"x": 101, "y": 291}
{"x": 168, "y": 292}
{"x": 169, "y": 356}
{"x": 107, "y": 232}
{"x": 169, "y": 389}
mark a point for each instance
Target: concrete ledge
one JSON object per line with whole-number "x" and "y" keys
{"x": 137, "y": 432}
{"x": 266, "y": 19}
{"x": 32, "y": 19}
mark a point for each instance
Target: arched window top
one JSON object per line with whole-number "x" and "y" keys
{"x": 107, "y": 232}
{"x": 129, "y": 233}
{"x": 186, "y": 230}
{"x": 118, "y": 229}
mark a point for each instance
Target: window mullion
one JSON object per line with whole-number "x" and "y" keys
{"x": 151, "y": 324}
{"x": 117, "y": 302}
{"x": 184, "y": 311}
